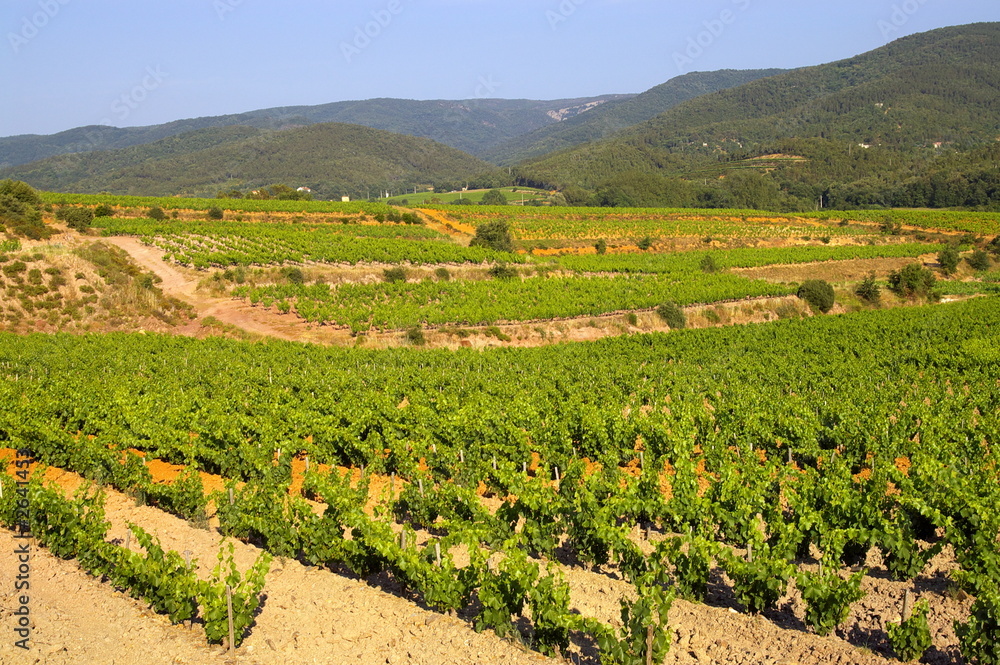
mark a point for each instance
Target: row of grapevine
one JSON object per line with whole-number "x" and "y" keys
{"x": 76, "y": 529}
{"x": 737, "y": 258}
{"x": 396, "y": 306}
{"x": 235, "y": 205}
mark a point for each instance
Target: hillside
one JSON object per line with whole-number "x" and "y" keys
{"x": 473, "y": 126}
{"x": 869, "y": 124}
{"x": 332, "y": 159}
{"x": 617, "y": 115}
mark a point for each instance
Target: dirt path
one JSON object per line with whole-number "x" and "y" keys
{"x": 178, "y": 284}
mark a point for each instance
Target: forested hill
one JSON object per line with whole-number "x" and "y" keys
{"x": 615, "y": 116}
{"x": 473, "y": 126}
{"x": 332, "y": 159}
{"x": 877, "y": 129}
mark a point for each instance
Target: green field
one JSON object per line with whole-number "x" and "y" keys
{"x": 515, "y": 196}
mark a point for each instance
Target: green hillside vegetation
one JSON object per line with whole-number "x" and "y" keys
{"x": 474, "y": 126}
{"x": 914, "y": 123}
{"x": 332, "y": 159}
{"x": 618, "y": 115}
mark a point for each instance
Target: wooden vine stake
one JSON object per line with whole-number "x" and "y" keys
{"x": 231, "y": 499}
{"x": 494, "y": 463}
{"x": 229, "y": 611}
{"x": 437, "y": 553}
{"x": 420, "y": 484}
{"x": 649, "y": 644}
{"x": 750, "y": 552}
{"x": 907, "y": 604}
{"x": 789, "y": 455}
{"x": 461, "y": 456}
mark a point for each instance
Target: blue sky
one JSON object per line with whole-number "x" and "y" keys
{"x": 68, "y": 63}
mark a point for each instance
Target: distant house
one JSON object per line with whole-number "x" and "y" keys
{"x": 345, "y": 199}
{"x": 304, "y": 189}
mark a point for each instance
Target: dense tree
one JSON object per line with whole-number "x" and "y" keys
{"x": 819, "y": 294}
{"x": 494, "y": 235}
{"x": 494, "y": 197}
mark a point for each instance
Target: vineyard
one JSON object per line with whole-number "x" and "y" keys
{"x": 623, "y": 223}
{"x": 818, "y": 488}
{"x": 802, "y": 457}
{"x": 235, "y": 205}
{"x": 204, "y": 244}
{"x": 396, "y": 306}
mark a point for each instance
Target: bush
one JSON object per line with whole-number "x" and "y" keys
{"x": 948, "y": 258}
{"x": 912, "y": 281}
{"x": 601, "y": 246}
{"x": 104, "y": 210}
{"x": 708, "y": 264}
{"x": 819, "y": 294}
{"x": 495, "y": 235}
{"x": 869, "y": 290}
{"x": 78, "y": 219}
{"x": 503, "y": 271}
{"x": 156, "y": 212}
{"x": 442, "y": 274}
{"x": 395, "y": 275}
{"x": 494, "y": 197}
{"x": 645, "y": 243}
{"x": 215, "y": 212}
{"x": 979, "y": 260}
{"x": 672, "y": 315}
{"x": 994, "y": 246}
{"x": 415, "y": 336}
{"x": 294, "y": 275}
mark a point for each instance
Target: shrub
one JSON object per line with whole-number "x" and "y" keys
{"x": 632, "y": 319}
{"x": 294, "y": 275}
{"x": 708, "y": 264}
{"x": 442, "y": 274}
{"x": 869, "y": 290}
{"x": 645, "y": 243}
{"x": 495, "y": 235}
{"x": 156, "y": 212}
{"x": 912, "y": 281}
{"x": 819, "y": 294}
{"x": 494, "y": 197}
{"x": 395, "y": 275}
{"x": 104, "y": 210}
{"x": 78, "y": 219}
{"x": 415, "y": 336}
{"x": 601, "y": 246}
{"x": 948, "y": 258}
{"x": 672, "y": 315}
{"x": 994, "y": 246}
{"x": 215, "y": 212}
{"x": 979, "y": 260}
{"x": 503, "y": 271}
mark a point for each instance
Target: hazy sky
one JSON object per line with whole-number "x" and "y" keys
{"x": 68, "y": 63}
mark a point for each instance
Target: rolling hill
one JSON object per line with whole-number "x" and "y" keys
{"x": 473, "y": 126}
{"x": 617, "y": 115}
{"x": 873, "y": 122}
{"x": 332, "y": 159}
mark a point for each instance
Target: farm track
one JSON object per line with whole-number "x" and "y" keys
{"x": 312, "y": 615}
{"x": 175, "y": 283}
